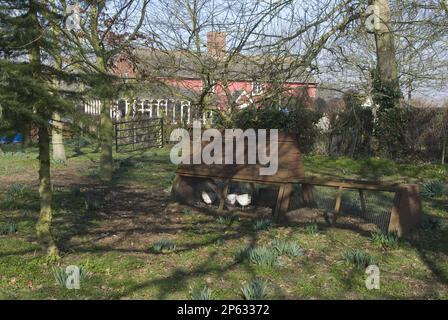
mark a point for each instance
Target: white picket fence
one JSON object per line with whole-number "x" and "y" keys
{"x": 174, "y": 110}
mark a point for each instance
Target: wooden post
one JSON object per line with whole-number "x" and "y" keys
{"x": 338, "y": 204}
{"x": 406, "y": 211}
{"x": 363, "y": 201}
{"x": 307, "y": 195}
{"x": 176, "y": 183}
{"x": 224, "y": 192}
{"x": 283, "y": 199}
{"x": 281, "y": 191}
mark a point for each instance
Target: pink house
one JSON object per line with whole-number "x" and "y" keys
{"x": 237, "y": 81}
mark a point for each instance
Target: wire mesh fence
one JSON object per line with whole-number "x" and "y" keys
{"x": 371, "y": 206}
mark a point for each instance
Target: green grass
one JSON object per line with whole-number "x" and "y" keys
{"x": 112, "y": 241}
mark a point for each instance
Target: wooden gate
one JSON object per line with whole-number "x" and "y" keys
{"x": 138, "y": 133}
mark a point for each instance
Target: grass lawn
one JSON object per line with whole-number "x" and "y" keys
{"x": 110, "y": 229}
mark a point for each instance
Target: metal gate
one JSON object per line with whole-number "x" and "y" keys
{"x": 138, "y": 133}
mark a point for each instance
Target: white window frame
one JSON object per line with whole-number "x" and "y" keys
{"x": 257, "y": 88}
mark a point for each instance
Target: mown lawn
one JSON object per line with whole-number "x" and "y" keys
{"x": 110, "y": 229}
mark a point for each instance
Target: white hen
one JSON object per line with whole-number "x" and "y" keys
{"x": 231, "y": 199}
{"x": 208, "y": 197}
{"x": 244, "y": 199}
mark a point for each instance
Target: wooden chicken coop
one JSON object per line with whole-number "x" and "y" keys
{"x": 404, "y": 213}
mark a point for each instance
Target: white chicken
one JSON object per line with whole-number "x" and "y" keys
{"x": 231, "y": 199}
{"x": 208, "y": 197}
{"x": 244, "y": 199}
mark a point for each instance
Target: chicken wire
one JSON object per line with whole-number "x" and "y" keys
{"x": 378, "y": 204}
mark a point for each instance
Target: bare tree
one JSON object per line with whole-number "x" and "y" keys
{"x": 106, "y": 30}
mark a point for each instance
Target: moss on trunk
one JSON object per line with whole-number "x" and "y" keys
{"x": 43, "y": 226}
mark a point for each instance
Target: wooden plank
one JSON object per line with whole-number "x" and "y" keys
{"x": 350, "y": 184}
{"x": 250, "y": 173}
{"x": 234, "y": 172}
{"x": 232, "y": 179}
{"x": 394, "y": 221}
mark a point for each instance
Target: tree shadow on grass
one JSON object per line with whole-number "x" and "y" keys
{"x": 432, "y": 246}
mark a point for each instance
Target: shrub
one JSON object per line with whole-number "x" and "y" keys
{"x": 262, "y": 224}
{"x": 289, "y": 248}
{"x": 243, "y": 254}
{"x": 58, "y": 162}
{"x": 257, "y": 289}
{"x": 219, "y": 242}
{"x": 94, "y": 173}
{"x": 433, "y": 189}
{"x": 187, "y": 211}
{"x": 261, "y": 256}
{"x": 129, "y": 164}
{"x": 431, "y": 223}
{"x": 357, "y": 258}
{"x": 202, "y": 294}
{"x": 92, "y": 204}
{"x": 299, "y": 120}
{"x": 390, "y": 132}
{"x": 14, "y": 191}
{"x": 8, "y": 228}
{"x": 61, "y": 276}
{"x": 228, "y": 220}
{"x": 385, "y": 240}
{"x": 311, "y": 228}
{"x": 163, "y": 245}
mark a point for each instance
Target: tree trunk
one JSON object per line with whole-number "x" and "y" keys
{"x": 385, "y": 43}
{"x": 444, "y": 143}
{"x": 57, "y": 139}
{"x": 106, "y": 140}
{"x": 43, "y": 226}
{"x": 387, "y": 71}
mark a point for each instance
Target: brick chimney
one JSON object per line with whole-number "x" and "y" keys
{"x": 216, "y": 44}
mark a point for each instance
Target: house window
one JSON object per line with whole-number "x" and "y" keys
{"x": 257, "y": 88}
{"x": 213, "y": 87}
